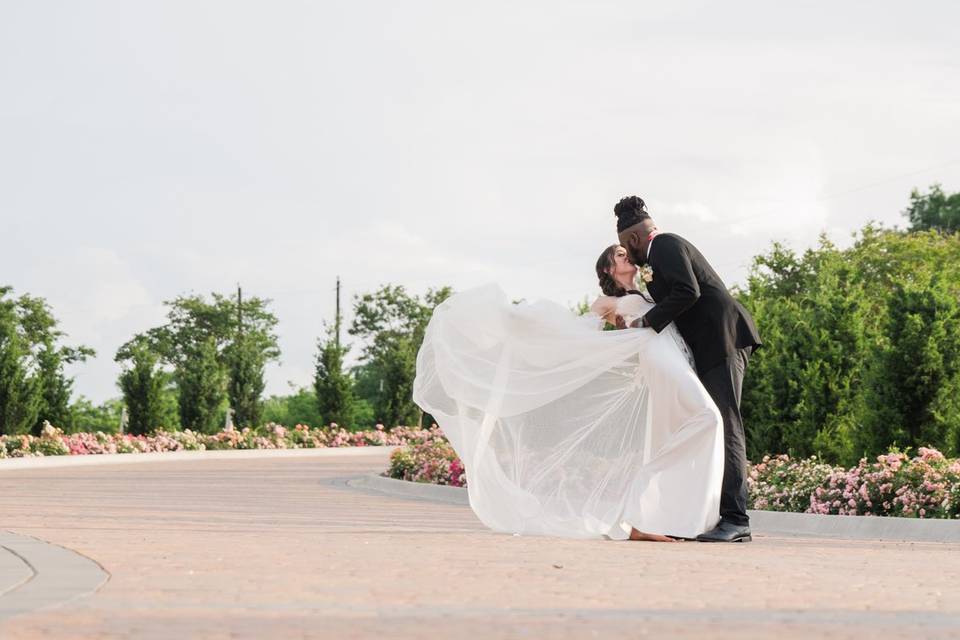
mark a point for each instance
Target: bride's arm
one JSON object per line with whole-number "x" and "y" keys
{"x": 605, "y": 307}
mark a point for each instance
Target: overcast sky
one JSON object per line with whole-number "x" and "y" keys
{"x": 149, "y": 149}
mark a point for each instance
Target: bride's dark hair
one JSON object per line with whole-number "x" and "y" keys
{"x": 608, "y": 285}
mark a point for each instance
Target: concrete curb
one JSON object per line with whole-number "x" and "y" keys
{"x": 14, "y": 572}
{"x": 51, "y": 575}
{"x": 811, "y": 525}
{"x": 803, "y": 525}
{"x": 48, "y": 462}
{"x": 405, "y": 489}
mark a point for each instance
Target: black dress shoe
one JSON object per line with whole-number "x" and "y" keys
{"x": 727, "y": 532}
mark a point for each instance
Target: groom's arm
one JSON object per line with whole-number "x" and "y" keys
{"x": 672, "y": 267}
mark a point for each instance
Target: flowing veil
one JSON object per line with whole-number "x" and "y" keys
{"x": 565, "y": 429}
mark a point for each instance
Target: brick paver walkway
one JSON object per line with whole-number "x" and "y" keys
{"x": 282, "y": 548}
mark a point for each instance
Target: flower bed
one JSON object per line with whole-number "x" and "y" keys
{"x": 53, "y": 442}
{"x": 925, "y": 486}
{"x": 435, "y": 462}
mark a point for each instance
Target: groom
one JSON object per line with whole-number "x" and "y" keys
{"x": 721, "y": 335}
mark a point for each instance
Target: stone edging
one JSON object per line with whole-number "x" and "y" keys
{"x": 805, "y": 525}
{"x": 46, "y": 575}
{"x": 47, "y": 462}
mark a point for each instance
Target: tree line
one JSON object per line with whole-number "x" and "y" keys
{"x": 208, "y": 359}
{"x": 33, "y": 385}
{"x": 861, "y": 345}
{"x": 862, "y": 352}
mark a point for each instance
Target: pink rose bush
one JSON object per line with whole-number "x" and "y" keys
{"x": 53, "y": 442}
{"x": 435, "y": 462}
{"x": 925, "y": 486}
{"x": 778, "y": 483}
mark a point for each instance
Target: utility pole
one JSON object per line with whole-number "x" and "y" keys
{"x": 239, "y": 310}
{"x": 228, "y": 421}
{"x": 337, "y": 320}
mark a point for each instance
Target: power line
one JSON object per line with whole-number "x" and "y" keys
{"x": 864, "y": 187}
{"x": 888, "y": 180}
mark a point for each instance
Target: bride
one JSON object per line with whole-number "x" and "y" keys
{"x": 568, "y": 430}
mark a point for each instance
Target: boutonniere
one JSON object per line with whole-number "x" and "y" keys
{"x": 646, "y": 273}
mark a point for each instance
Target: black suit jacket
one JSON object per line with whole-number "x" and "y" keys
{"x": 689, "y": 293}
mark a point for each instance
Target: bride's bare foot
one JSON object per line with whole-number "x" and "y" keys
{"x": 650, "y": 537}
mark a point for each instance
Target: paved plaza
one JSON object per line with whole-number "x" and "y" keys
{"x": 284, "y": 547}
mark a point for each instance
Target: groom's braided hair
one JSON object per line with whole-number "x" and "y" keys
{"x": 630, "y": 211}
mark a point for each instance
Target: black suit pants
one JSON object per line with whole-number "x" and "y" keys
{"x": 724, "y": 383}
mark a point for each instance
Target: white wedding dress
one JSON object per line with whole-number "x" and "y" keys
{"x": 568, "y": 430}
